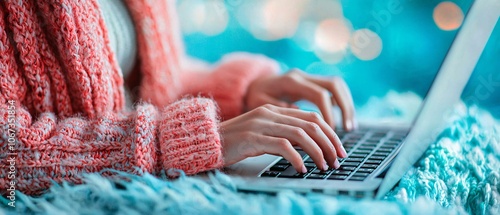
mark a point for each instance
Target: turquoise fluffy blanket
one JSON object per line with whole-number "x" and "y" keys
{"x": 458, "y": 174}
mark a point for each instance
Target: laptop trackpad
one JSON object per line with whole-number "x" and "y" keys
{"x": 251, "y": 166}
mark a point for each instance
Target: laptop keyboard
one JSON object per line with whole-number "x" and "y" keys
{"x": 366, "y": 150}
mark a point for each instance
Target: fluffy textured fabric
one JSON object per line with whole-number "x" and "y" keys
{"x": 459, "y": 174}
{"x": 57, "y": 67}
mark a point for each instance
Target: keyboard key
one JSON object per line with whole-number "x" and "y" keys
{"x": 393, "y": 141}
{"x": 383, "y": 154}
{"x": 354, "y": 164}
{"x": 362, "y": 151}
{"x": 370, "y": 141}
{"x": 374, "y": 139}
{"x": 337, "y": 177}
{"x": 340, "y": 134}
{"x": 283, "y": 162}
{"x": 388, "y": 150}
{"x": 353, "y": 138}
{"x": 279, "y": 167}
{"x": 348, "y": 168}
{"x": 357, "y": 155}
{"x": 308, "y": 160}
{"x": 357, "y": 178}
{"x": 350, "y": 159}
{"x": 399, "y": 135}
{"x": 310, "y": 169}
{"x": 289, "y": 173}
{"x": 349, "y": 142}
{"x": 377, "y": 157}
{"x": 370, "y": 144}
{"x": 321, "y": 172}
{"x": 297, "y": 175}
{"x": 269, "y": 174}
{"x": 316, "y": 176}
{"x": 379, "y": 134}
{"x": 302, "y": 153}
{"x": 370, "y": 161}
{"x": 367, "y": 170}
{"x": 369, "y": 166}
{"x": 360, "y": 174}
{"x": 310, "y": 165}
{"x": 366, "y": 148}
{"x": 341, "y": 172}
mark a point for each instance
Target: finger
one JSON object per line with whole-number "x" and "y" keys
{"x": 312, "y": 140}
{"x": 304, "y": 140}
{"x": 266, "y": 99}
{"x": 315, "y": 118}
{"x": 340, "y": 95}
{"x": 318, "y": 95}
{"x": 283, "y": 147}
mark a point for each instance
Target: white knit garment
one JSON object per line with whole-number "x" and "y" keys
{"x": 121, "y": 33}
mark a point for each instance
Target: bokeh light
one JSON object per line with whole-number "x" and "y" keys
{"x": 407, "y": 48}
{"x": 191, "y": 15}
{"x": 332, "y": 35}
{"x": 277, "y": 19}
{"x": 330, "y": 57}
{"x": 448, "y": 16}
{"x": 217, "y": 17}
{"x": 365, "y": 44}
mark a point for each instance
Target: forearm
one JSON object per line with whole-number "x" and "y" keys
{"x": 146, "y": 140}
{"x": 228, "y": 81}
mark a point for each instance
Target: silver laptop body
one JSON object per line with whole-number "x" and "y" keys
{"x": 444, "y": 93}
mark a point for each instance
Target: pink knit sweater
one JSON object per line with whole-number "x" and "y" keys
{"x": 59, "y": 75}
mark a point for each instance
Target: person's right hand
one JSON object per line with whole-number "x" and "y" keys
{"x": 276, "y": 130}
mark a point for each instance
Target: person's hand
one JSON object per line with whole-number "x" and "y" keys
{"x": 296, "y": 85}
{"x": 275, "y": 130}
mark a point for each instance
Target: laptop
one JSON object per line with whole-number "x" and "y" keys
{"x": 379, "y": 155}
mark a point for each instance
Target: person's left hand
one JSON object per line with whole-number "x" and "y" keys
{"x": 296, "y": 85}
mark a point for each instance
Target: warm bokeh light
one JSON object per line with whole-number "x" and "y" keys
{"x": 279, "y": 19}
{"x": 448, "y": 16}
{"x": 365, "y": 44}
{"x": 330, "y": 57}
{"x": 191, "y": 15}
{"x": 208, "y": 17}
{"x": 332, "y": 35}
{"x": 217, "y": 18}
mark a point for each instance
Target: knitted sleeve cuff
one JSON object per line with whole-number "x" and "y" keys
{"x": 233, "y": 75}
{"x": 188, "y": 136}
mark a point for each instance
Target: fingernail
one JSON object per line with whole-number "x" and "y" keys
{"x": 325, "y": 166}
{"x": 344, "y": 152}
{"x": 349, "y": 125}
{"x": 304, "y": 169}
{"x": 336, "y": 164}
{"x": 294, "y": 106}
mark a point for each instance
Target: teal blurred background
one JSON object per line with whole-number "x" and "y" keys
{"x": 377, "y": 46}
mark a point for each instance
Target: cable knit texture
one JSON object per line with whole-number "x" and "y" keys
{"x": 56, "y": 64}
